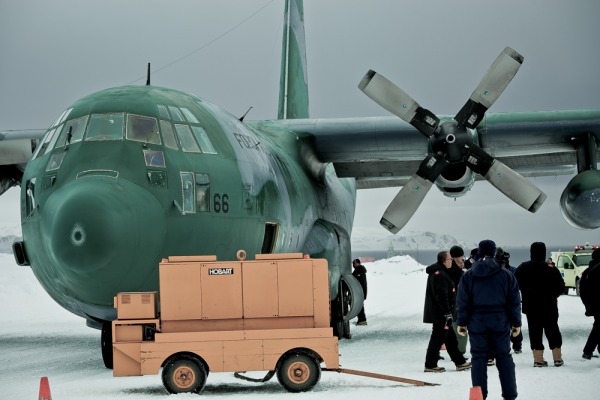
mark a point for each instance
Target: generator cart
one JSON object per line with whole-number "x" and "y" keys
{"x": 268, "y": 314}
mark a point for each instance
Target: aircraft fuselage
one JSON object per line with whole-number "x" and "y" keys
{"x": 130, "y": 175}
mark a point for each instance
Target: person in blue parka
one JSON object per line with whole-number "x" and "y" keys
{"x": 489, "y": 307}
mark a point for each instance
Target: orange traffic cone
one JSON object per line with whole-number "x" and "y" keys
{"x": 44, "y": 389}
{"x": 475, "y": 393}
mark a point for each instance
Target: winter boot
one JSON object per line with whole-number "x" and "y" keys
{"x": 538, "y": 359}
{"x": 557, "y": 356}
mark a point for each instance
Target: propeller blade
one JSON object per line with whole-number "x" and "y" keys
{"x": 496, "y": 79}
{"x": 515, "y": 187}
{"x": 405, "y": 204}
{"x": 410, "y": 197}
{"x": 398, "y": 102}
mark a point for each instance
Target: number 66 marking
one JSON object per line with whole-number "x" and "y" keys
{"x": 221, "y": 202}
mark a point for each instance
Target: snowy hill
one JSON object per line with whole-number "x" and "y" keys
{"x": 409, "y": 240}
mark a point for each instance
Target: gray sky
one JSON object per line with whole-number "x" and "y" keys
{"x": 53, "y": 53}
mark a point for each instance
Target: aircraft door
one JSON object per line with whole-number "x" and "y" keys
{"x": 270, "y": 238}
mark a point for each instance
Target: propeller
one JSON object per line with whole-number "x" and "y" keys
{"x": 451, "y": 142}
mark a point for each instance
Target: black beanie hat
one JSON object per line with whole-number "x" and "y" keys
{"x": 538, "y": 251}
{"x": 596, "y": 255}
{"x": 456, "y": 251}
{"x": 487, "y": 248}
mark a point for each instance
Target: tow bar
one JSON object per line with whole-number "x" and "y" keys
{"x": 381, "y": 376}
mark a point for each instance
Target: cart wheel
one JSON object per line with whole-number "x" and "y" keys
{"x": 184, "y": 374}
{"x": 298, "y": 372}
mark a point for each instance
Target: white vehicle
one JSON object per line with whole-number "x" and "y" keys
{"x": 571, "y": 264}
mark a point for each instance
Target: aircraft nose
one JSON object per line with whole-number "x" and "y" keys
{"x": 105, "y": 236}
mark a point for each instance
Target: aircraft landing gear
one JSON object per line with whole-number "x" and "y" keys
{"x": 106, "y": 344}
{"x": 341, "y": 307}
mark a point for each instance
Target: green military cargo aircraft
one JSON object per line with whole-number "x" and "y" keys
{"x": 129, "y": 175}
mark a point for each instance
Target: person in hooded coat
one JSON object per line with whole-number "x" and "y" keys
{"x": 541, "y": 285}
{"x": 589, "y": 290}
{"x": 489, "y": 307}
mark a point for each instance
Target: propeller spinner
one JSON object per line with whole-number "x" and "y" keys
{"x": 451, "y": 141}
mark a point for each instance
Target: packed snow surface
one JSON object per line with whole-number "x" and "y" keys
{"x": 38, "y": 338}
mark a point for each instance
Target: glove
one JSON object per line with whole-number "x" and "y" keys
{"x": 449, "y": 319}
{"x": 462, "y": 330}
{"x": 515, "y": 330}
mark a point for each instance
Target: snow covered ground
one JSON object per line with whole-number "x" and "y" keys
{"x": 38, "y": 338}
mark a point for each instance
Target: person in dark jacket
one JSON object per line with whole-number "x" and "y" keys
{"x": 541, "y": 285}
{"x": 456, "y": 272}
{"x": 589, "y": 291}
{"x": 471, "y": 260}
{"x": 360, "y": 273}
{"x": 440, "y": 299}
{"x": 489, "y": 308}
{"x": 503, "y": 259}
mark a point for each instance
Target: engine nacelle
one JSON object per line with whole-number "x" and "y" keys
{"x": 456, "y": 180}
{"x": 580, "y": 201}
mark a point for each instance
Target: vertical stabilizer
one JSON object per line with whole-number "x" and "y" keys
{"x": 293, "y": 84}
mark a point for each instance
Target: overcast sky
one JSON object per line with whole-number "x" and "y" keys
{"x": 53, "y": 53}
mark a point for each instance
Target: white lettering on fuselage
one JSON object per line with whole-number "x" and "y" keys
{"x": 248, "y": 142}
{"x": 220, "y": 271}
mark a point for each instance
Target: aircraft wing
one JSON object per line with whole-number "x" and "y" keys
{"x": 503, "y": 149}
{"x": 386, "y": 151}
{"x": 16, "y": 148}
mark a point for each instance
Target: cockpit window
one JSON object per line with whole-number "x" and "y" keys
{"x": 142, "y": 129}
{"x": 53, "y": 139}
{"x": 106, "y": 127}
{"x": 187, "y": 139}
{"x": 162, "y": 112}
{"x": 62, "y": 117}
{"x": 202, "y": 192}
{"x": 189, "y": 116}
{"x": 202, "y": 137}
{"x": 55, "y": 161}
{"x": 41, "y": 149}
{"x": 176, "y": 114}
{"x": 168, "y": 134}
{"x": 154, "y": 158}
{"x": 72, "y": 131}
{"x": 187, "y": 190}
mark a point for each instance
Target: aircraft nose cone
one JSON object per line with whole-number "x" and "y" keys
{"x": 104, "y": 236}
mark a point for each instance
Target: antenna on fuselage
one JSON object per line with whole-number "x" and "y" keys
{"x": 246, "y": 113}
{"x": 148, "y": 76}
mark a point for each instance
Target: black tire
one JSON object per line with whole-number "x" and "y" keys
{"x": 298, "y": 372}
{"x": 340, "y": 307}
{"x": 184, "y": 374}
{"x": 106, "y": 344}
